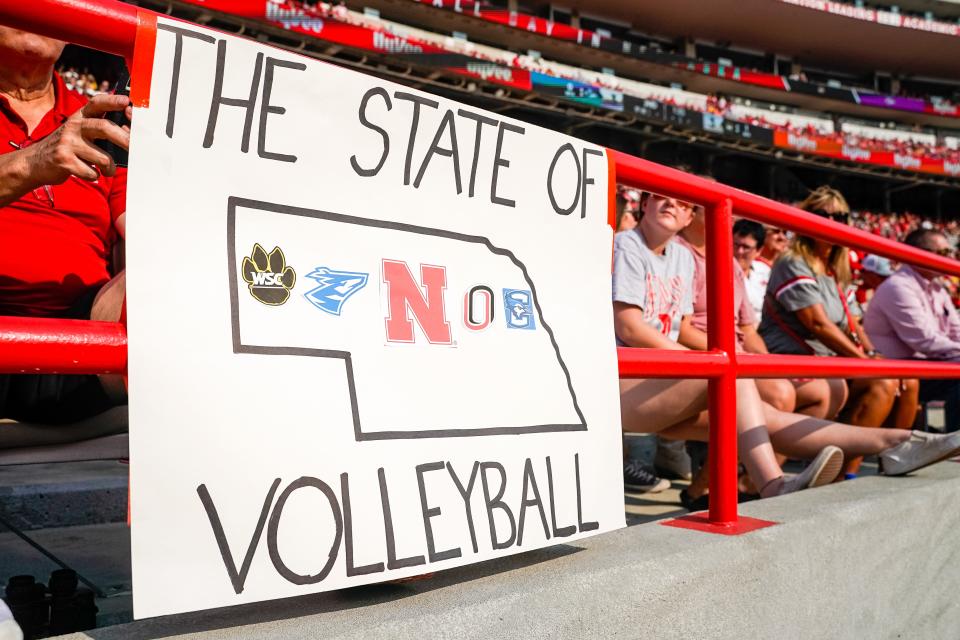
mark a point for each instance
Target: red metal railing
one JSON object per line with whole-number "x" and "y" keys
{"x": 54, "y": 346}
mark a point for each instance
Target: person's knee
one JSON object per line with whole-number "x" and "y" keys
{"x": 108, "y": 303}
{"x": 780, "y": 394}
{"x": 886, "y": 387}
{"x": 839, "y": 394}
{"x": 813, "y": 399}
{"x": 820, "y": 393}
{"x": 911, "y": 388}
{"x": 880, "y": 390}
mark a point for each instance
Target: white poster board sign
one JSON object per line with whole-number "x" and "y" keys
{"x": 370, "y": 330}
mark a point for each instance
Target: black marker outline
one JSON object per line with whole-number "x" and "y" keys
{"x": 235, "y": 202}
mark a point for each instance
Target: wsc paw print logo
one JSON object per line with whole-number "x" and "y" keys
{"x": 268, "y": 277}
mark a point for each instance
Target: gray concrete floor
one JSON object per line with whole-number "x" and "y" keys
{"x": 101, "y": 552}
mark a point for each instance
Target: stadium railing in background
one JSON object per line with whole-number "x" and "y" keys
{"x": 74, "y": 346}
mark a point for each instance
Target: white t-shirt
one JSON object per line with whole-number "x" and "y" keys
{"x": 661, "y": 285}
{"x": 756, "y": 283}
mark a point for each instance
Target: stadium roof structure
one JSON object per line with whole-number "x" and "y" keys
{"x": 811, "y": 35}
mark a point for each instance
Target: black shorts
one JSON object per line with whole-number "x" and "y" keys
{"x": 54, "y": 399}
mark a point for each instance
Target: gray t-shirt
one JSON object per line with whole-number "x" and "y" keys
{"x": 661, "y": 285}
{"x": 793, "y": 286}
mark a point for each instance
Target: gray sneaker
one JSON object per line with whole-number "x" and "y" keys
{"x": 640, "y": 478}
{"x": 671, "y": 460}
{"x": 823, "y": 470}
{"x": 921, "y": 450}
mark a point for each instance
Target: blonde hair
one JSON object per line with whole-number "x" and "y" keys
{"x": 803, "y": 247}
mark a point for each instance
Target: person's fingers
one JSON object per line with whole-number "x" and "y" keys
{"x": 99, "y": 129}
{"x": 82, "y": 170}
{"x": 91, "y": 154}
{"x": 104, "y": 103}
{"x": 128, "y": 112}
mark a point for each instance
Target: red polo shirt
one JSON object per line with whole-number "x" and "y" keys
{"x": 56, "y": 241}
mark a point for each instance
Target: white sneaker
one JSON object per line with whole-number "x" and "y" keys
{"x": 921, "y": 450}
{"x": 823, "y": 470}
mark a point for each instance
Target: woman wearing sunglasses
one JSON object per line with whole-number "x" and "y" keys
{"x": 807, "y": 311}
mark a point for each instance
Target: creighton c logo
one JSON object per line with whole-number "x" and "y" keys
{"x": 518, "y": 305}
{"x": 268, "y": 277}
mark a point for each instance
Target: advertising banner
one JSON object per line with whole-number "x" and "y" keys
{"x": 577, "y": 91}
{"x": 879, "y": 16}
{"x": 369, "y": 329}
{"x": 832, "y": 148}
{"x": 892, "y": 102}
{"x": 527, "y": 22}
{"x": 738, "y": 74}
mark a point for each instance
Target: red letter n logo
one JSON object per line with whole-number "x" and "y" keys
{"x": 405, "y": 294}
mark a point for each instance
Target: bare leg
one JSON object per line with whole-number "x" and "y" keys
{"x": 700, "y": 483}
{"x": 756, "y": 451}
{"x": 870, "y": 404}
{"x": 813, "y": 398}
{"x": 652, "y": 406}
{"x": 778, "y": 393}
{"x": 803, "y": 437}
{"x": 904, "y": 413}
{"x": 107, "y": 307}
{"x": 839, "y": 394}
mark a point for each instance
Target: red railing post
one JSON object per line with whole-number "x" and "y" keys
{"x": 106, "y": 25}
{"x": 722, "y": 391}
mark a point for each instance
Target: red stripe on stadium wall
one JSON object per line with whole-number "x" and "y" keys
{"x": 141, "y": 68}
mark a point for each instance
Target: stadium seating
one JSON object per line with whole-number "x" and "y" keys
{"x": 846, "y": 89}
{"x": 779, "y": 126}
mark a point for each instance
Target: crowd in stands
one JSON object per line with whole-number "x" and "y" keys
{"x": 807, "y": 305}
{"x": 896, "y": 226}
{"x": 819, "y": 126}
{"x": 83, "y": 83}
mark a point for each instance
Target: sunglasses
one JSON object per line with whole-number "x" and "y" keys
{"x": 843, "y": 218}
{"x": 946, "y": 252}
